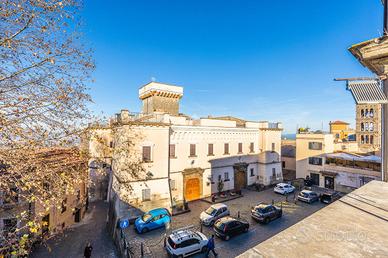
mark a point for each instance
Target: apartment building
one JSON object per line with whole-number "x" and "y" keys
{"x": 181, "y": 158}
{"x": 343, "y": 171}
{"x": 53, "y": 219}
{"x": 340, "y": 130}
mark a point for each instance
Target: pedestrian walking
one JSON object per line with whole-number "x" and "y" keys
{"x": 88, "y": 250}
{"x": 211, "y": 247}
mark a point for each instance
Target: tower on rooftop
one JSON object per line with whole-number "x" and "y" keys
{"x": 160, "y": 98}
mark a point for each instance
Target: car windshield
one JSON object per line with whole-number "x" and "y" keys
{"x": 326, "y": 196}
{"x": 220, "y": 225}
{"x": 146, "y": 217}
{"x": 304, "y": 194}
{"x": 211, "y": 211}
{"x": 260, "y": 208}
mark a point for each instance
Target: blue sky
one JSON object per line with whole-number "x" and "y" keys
{"x": 258, "y": 59}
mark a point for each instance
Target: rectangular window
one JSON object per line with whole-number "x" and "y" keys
{"x": 226, "y": 148}
{"x": 63, "y": 205}
{"x": 240, "y": 147}
{"x": 192, "y": 150}
{"x": 283, "y": 164}
{"x": 252, "y": 172}
{"x": 210, "y": 150}
{"x": 226, "y": 176}
{"x": 273, "y": 172}
{"x": 315, "y": 145}
{"x": 273, "y": 147}
{"x": 315, "y": 161}
{"x": 147, "y": 153}
{"x": 252, "y": 147}
{"x": 146, "y": 194}
{"x": 172, "y": 151}
{"x": 219, "y": 178}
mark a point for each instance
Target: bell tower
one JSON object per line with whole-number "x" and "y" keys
{"x": 160, "y": 98}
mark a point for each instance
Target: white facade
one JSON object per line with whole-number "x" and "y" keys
{"x": 186, "y": 158}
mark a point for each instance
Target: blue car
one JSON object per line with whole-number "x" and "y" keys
{"x": 152, "y": 219}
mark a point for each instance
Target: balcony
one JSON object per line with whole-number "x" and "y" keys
{"x": 352, "y": 169}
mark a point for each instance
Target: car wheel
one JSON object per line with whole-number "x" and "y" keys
{"x": 266, "y": 220}
{"x": 227, "y": 237}
{"x": 204, "y": 249}
{"x": 144, "y": 230}
{"x": 246, "y": 229}
{"x": 211, "y": 223}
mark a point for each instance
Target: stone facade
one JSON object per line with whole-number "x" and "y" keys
{"x": 368, "y": 127}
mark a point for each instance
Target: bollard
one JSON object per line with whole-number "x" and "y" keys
{"x": 141, "y": 250}
{"x": 238, "y": 214}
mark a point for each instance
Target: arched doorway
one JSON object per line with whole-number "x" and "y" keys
{"x": 193, "y": 189}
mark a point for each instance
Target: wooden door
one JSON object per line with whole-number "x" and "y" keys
{"x": 240, "y": 180}
{"x": 193, "y": 191}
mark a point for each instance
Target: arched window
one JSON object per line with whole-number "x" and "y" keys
{"x": 366, "y": 113}
{"x": 366, "y": 126}
{"x": 362, "y": 113}
{"x": 367, "y": 139}
{"x": 371, "y": 112}
{"x": 362, "y": 139}
{"x": 371, "y": 139}
{"x": 362, "y": 126}
{"x": 371, "y": 126}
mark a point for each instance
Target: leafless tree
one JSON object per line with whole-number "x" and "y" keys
{"x": 44, "y": 71}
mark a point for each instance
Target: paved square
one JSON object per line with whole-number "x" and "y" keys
{"x": 292, "y": 213}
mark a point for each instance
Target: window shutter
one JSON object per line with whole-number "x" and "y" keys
{"x": 172, "y": 150}
{"x": 146, "y": 153}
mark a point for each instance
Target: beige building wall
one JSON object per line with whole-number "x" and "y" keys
{"x": 303, "y": 150}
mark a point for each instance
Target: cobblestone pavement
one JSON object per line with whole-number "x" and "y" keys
{"x": 72, "y": 242}
{"x": 292, "y": 213}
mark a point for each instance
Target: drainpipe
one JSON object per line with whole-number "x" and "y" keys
{"x": 168, "y": 164}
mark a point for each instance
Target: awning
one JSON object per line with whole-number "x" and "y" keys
{"x": 328, "y": 173}
{"x": 367, "y": 92}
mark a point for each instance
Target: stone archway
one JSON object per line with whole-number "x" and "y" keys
{"x": 192, "y": 183}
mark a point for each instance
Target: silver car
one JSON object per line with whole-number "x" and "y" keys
{"x": 213, "y": 213}
{"x": 308, "y": 196}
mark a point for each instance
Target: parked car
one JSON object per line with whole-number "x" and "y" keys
{"x": 227, "y": 227}
{"x": 329, "y": 197}
{"x": 185, "y": 242}
{"x": 266, "y": 212}
{"x": 152, "y": 219}
{"x": 308, "y": 196}
{"x": 284, "y": 188}
{"x": 214, "y": 212}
